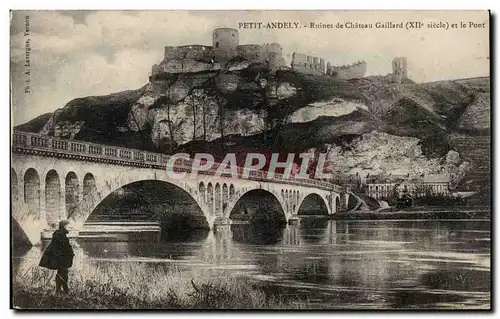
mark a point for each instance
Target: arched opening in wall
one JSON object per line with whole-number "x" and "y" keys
{"x": 52, "y": 197}
{"x": 338, "y": 207}
{"x": 231, "y": 192}
{"x": 225, "y": 196}
{"x": 289, "y": 201}
{"x": 201, "y": 189}
{"x": 286, "y": 200}
{"x": 135, "y": 210}
{"x": 217, "y": 44}
{"x": 217, "y": 200}
{"x": 258, "y": 217}
{"x": 210, "y": 195}
{"x": 259, "y": 207}
{"x": 313, "y": 204}
{"x": 88, "y": 184}
{"x": 32, "y": 189}
{"x": 294, "y": 201}
{"x": 14, "y": 185}
{"x": 71, "y": 186}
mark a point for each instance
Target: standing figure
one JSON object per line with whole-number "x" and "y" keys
{"x": 59, "y": 256}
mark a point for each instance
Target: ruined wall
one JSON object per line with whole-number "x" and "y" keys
{"x": 322, "y": 66}
{"x": 252, "y": 52}
{"x": 155, "y": 70}
{"x": 308, "y": 64}
{"x": 186, "y": 66}
{"x": 188, "y": 58}
{"x": 192, "y": 52}
{"x": 353, "y": 71}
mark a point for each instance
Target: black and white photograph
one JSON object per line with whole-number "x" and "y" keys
{"x": 250, "y": 160}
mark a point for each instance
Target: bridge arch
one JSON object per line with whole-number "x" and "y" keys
{"x": 32, "y": 189}
{"x": 287, "y": 199}
{"x": 231, "y": 193}
{"x": 159, "y": 195}
{"x": 225, "y": 196}
{"x": 89, "y": 183}
{"x": 259, "y": 204}
{"x": 201, "y": 190}
{"x": 294, "y": 201}
{"x": 313, "y": 204}
{"x": 72, "y": 191}
{"x": 52, "y": 197}
{"x": 218, "y": 200}
{"x": 210, "y": 195}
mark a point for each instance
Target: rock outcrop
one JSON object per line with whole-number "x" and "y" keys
{"x": 253, "y": 107}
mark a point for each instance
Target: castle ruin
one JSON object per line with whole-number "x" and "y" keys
{"x": 308, "y": 64}
{"x": 225, "y": 46}
{"x": 399, "y": 69}
{"x": 313, "y": 65}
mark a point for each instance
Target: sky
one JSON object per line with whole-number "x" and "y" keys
{"x": 82, "y": 53}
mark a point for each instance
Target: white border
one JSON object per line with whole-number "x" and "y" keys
{"x": 200, "y": 4}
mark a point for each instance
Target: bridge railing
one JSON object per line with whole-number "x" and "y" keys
{"x": 38, "y": 142}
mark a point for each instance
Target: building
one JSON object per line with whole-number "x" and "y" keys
{"x": 380, "y": 187}
{"x": 437, "y": 184}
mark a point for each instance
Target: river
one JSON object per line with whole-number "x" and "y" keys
{"x": 423, "y": 264}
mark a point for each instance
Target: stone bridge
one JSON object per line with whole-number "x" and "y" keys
{"x": 54, "y": 179}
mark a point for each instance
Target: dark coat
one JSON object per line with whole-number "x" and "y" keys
{"x": 59, "y": 254}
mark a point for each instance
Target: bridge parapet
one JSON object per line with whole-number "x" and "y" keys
{"x": 32, "y": 143}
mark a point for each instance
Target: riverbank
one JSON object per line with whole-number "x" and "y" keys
{"x": 416, "y": 213}
{"x": 139, "y": 285}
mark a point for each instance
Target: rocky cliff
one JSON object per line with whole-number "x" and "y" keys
{"x": 246, "y": 107}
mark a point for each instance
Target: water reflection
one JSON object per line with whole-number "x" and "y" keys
{"x": 339, "y": 264}
{"x": 257, "y": 234}
{"x": 313, "y": 230}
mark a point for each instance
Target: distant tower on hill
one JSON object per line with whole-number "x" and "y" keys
{"x": 399, "y": 69}
{"x": 225, "y": 41}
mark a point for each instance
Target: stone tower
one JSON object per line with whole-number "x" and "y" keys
{"x": 224, "y": 41}
{"x": 399, "y": 69}
{"x": 275, "y": 56}
{"x": 328, "y": 68}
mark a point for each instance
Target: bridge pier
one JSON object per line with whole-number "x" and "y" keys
{"x": 294, "y": 220}
{"x": 221, "y": 223}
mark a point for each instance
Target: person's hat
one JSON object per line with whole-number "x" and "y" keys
{"x": 63, "y": 223}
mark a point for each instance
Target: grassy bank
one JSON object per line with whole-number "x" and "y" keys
{"x": 134, "y": 285}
